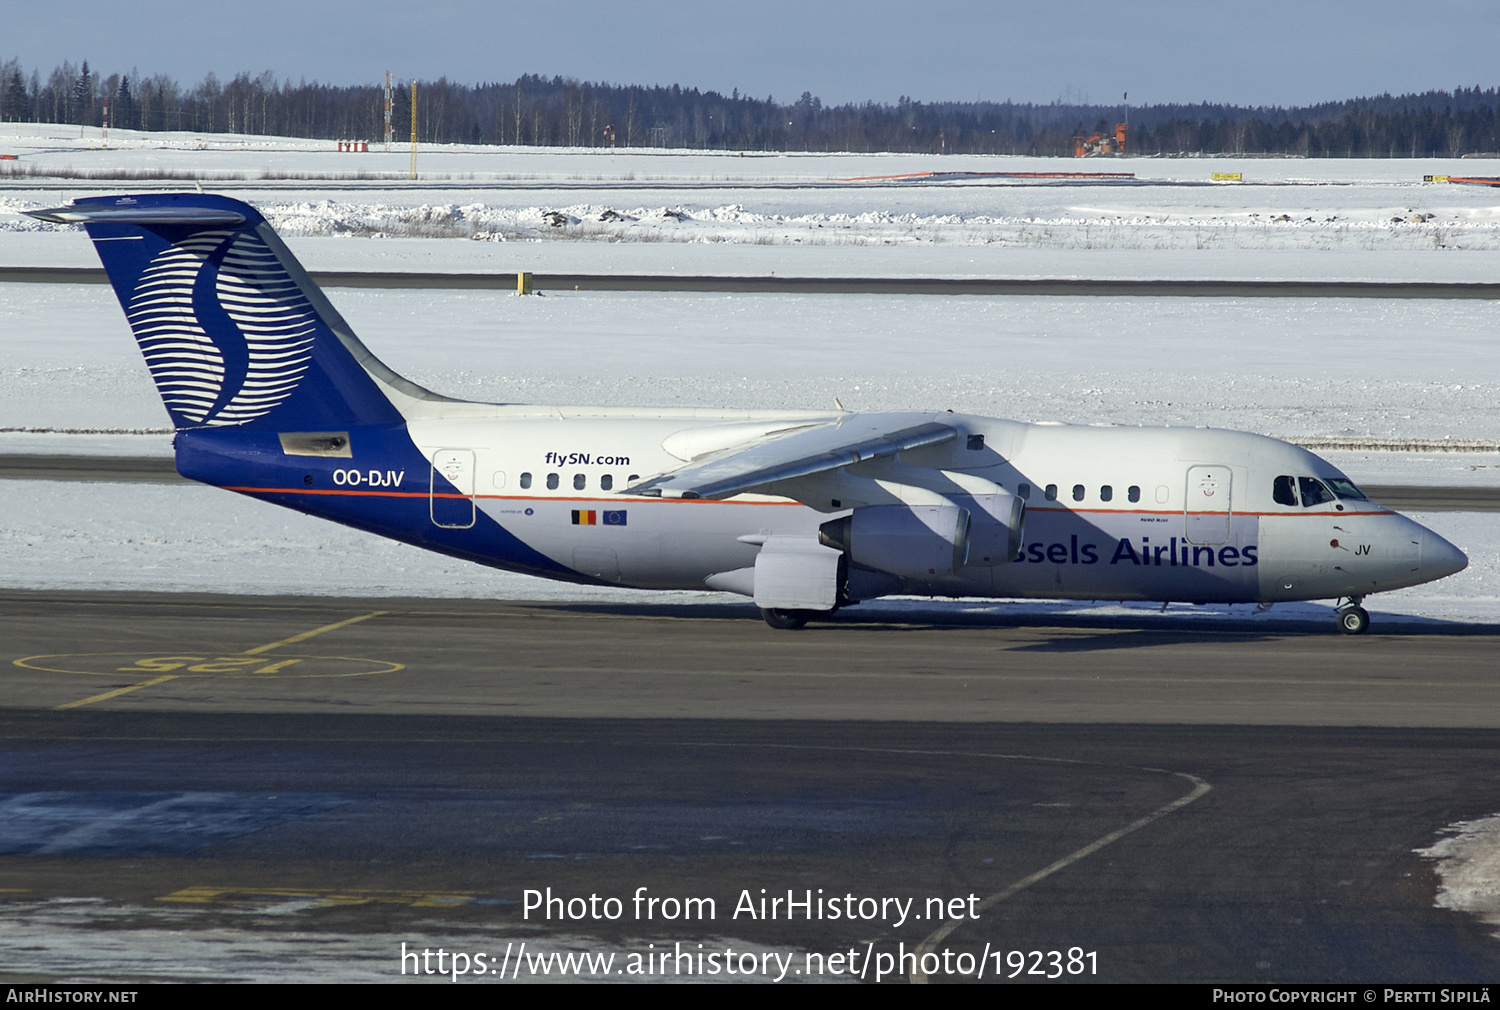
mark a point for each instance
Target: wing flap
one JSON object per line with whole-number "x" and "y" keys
{"x": 798, "y": 453}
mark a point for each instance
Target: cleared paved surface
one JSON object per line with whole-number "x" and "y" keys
{"x": 577, "y": 660}
{"x": 297, "y": 777}
{"x": 108, "y": 469}
{"x": 1435, "y": 499}
{"x": 844, "y": 285}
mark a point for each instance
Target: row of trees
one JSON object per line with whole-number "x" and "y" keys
{"x": 564, "y": 112}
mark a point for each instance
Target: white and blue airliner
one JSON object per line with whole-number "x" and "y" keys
{"x": 273, "y": 396}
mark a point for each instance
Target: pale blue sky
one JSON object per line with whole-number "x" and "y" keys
{"x": 1272, "y": 52}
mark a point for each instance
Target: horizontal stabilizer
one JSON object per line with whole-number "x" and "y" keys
{"x": 136, "y": 214}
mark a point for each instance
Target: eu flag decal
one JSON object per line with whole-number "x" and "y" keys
{"x": 614, "y": 518}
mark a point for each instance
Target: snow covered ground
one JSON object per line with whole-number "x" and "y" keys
{"x": 1279, "y": 366}
{"x": 719, "y": 212}
{"x": 1467, "y": 860}
{"x": 1331, "y": 367}
{"x": 1292, "y": 367}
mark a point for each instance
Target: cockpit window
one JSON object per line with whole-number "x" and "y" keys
{"x": 1345, "y": 489}
{"x": 1285, "y": 490}
{"x": 1313, "y": 491}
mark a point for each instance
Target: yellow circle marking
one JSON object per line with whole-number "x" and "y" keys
{"x": 206, "y": 664}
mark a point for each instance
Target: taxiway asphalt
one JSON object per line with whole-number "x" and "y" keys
{"x": 313, "y": 781}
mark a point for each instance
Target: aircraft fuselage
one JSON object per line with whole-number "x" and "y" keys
{"x": 1112, "y": 512}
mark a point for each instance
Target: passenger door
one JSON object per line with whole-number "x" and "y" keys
{"x": 455, "y": 467}
{"x": 1206, "y": 516}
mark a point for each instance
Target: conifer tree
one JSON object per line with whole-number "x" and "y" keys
{"x": 17, "y": 101}
{"x": 83, "y": 96}
{"x": 124, "y": 115}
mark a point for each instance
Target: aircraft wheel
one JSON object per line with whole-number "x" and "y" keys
{"x": 787, "y": 620}
{"x": 1353, "y": 620}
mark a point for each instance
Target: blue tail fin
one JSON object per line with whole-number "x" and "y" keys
{"x": 234, "y": 331}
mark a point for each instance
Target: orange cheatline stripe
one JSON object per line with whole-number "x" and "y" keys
{"x": 641, "y": 500}
{"x": 1180, "y": 512}
{"x": 626, "y": 501}
{"x": 330, "y": 491}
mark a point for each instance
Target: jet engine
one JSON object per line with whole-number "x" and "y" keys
{"x": 912, "y": 541}
{"x": 996, "y": 528}
{"x": 923, "y": 541}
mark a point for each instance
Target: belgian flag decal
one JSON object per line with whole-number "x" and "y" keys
{"x": 593, "y": 517}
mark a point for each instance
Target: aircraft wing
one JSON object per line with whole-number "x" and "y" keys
{"x": 797, "y": 453}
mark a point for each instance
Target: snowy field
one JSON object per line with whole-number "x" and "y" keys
{"x": 1330, "y": 368}
{"x": 1371, "y": 368}
{"x": 807, "y": 214}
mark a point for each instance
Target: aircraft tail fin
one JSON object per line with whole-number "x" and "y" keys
{"x": 234, "y": 331}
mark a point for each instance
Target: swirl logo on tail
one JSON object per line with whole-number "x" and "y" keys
{"x": 225, "y": 331}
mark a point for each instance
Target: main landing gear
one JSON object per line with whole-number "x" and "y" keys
{"x": 789, "y": 620}
{"x": 1352, "y": 618}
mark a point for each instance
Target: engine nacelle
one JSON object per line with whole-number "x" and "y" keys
{"x": 923, "y": 541}
{"x": 996, "y": 529}
{"x": 915, "y": 541}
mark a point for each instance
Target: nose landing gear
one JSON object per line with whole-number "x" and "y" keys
{"x": 1352, "y": 618}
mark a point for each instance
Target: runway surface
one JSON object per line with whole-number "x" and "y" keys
{"x": 160, "y": 470}
{"x": 844, "y": 285}
{"x": 221, "y": 787}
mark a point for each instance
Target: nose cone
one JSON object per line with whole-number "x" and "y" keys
{"x": 1439, "y": 557}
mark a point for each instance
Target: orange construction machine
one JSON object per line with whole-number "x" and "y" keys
{"x": 1088, "y": 147}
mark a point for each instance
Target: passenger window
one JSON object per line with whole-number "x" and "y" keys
{"x": 607, "y": 482}
{"x": 525, "y": 481}
{"x": 633, "y": 478}
{"x": 1284, "y": 491}
{"x": 580, "y": 481}
{"x": 1134, "y": 494}
{"x": 1106, "y": 493}
{"x": 1163, "y": 494}
{"x": 1313, "y": 491}
{"x": 1078, "y": 492}
{"x": 552, "y": 482}
{"x": 1024, "y": 490}
{"x": 1052, "y": 492}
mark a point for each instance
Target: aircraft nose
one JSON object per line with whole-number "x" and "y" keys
{"x": 1439, "y": 557}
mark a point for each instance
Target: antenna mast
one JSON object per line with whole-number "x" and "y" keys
{"x": 387, "y": 111}
{"x": 413, "y": 127}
